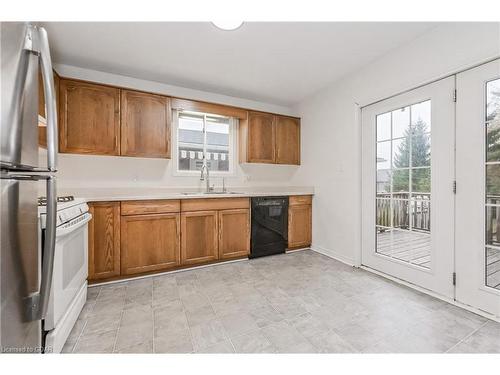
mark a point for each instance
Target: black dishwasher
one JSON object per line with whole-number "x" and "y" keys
{"x": 269, "y": 226}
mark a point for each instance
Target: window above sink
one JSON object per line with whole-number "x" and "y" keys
{"x": 201, "y": 138}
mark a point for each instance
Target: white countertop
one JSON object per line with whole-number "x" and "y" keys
{"x": 147, "y": 193}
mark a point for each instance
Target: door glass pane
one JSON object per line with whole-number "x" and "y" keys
{"x": 421, "y": 115}
{"x": 401, "y": 153}
{"x": 383, "y": 213}
{"x": 492, "y": 223}
{"x": 401, "y": 182}
{"x": 493, "y": 181}
{"x": 493, "y": 267}
{"x": 401, "y": 122}
{"x": 384, "y": 127}
{"x": 493, "y": 140}
{"x": 421, "y": 180}
{"x": 383, "y": 183}
{"x": 404, "y": 183}
{"x": 493, "y": 100}
{"x": 384, "y": 155}
{"x": 420, "y": 148}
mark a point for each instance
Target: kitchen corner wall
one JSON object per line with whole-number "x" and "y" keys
{"x": 114, "y": 171}
{"x": 331, "y": 131}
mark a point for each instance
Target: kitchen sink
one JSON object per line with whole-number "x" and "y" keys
{"x": 212, "y": 193}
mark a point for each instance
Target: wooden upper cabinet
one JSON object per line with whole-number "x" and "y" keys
{"x": 149, "y": 243}
{"x": 104, "y": 240}
{"x": 234, "y": 233}
{"x": 268, "y": 138}
{"x": 261, "y": 138}
{"x": 199, "y": 242}
{"x": 89, "y": 118}
{"x": 287, "y": 140}
{"x": 145, "y": 124}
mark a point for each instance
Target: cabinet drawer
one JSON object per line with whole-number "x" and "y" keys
{"x": 150, "y": 207}
{"x": 296, "y": 200}
{"x": 208, "y": 204}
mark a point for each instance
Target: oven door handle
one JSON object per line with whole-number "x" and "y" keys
{"x": 61, "y": 231}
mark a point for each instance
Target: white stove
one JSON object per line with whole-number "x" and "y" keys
{"x": 69, "y": 281}
{"x": 68, "y": 208}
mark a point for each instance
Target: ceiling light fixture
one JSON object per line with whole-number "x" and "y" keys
{"x": 227, "y": 25}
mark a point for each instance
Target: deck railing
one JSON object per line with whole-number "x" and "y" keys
{"x": 492, "y": 220}
{"x": 414, "y": 214}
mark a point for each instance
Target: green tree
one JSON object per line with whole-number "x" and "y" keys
{"x": 418, "y": 135}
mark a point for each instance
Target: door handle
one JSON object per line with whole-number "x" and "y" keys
{"x": 48, "y": 249}
{"x": 50, "y": 99}
{"x": 38, "y": 303}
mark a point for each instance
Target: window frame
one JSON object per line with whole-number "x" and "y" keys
{"x": 232, "y": 146}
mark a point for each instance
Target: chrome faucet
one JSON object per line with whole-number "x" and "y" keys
{"x": 206, "y": 178}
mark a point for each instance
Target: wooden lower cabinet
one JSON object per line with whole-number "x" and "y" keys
{"x": 199, "y": 242}
{"x": 234, "y": 233}
{"x": 149, "y": 243}
{"x": 137, "y": 237}
{"x": 104, "y": 240}
{"x": 299, "y": 226}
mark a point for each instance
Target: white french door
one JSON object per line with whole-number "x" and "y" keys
{"x": 478, "y": 188}
{"x": 407, "y": 186}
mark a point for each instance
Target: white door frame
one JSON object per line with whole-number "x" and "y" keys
{"x": 438, "y": 278}
{"x": 470, "y": 223}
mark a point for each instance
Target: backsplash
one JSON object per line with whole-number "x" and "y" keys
{"x": 113, "y": 171}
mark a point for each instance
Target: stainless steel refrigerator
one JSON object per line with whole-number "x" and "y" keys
{"x": 25, "y": 267}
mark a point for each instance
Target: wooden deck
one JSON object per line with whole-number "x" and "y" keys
{"x": 415, "y": 248}
{"x": 493, "y": 268}
{"x": 411, "y": 247}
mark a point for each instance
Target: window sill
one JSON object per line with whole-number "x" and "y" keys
{"x": 197, "y": 174}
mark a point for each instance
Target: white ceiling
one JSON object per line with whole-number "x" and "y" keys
{"x": 279, "y": 63}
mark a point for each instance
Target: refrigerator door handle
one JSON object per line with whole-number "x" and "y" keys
{"x": 49, "y": 248}
{"x": 38, "y": 303}
{"x": 50, "y": 99}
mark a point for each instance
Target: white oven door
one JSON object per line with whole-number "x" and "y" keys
{"x": 70, "y": 267}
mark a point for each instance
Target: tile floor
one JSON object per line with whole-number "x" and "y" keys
{"x": 301, "y": 302}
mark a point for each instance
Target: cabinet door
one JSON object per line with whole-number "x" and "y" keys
{"x": 287, "y": 140}
{"x": 234, "y": 233}
{"x": 104, "y": 240}
{"x": 299, "y": 226}
{"x": 89, "y": 118}
{"x": 199, "y": 237}
{"x": 149, "y": 243}
{"x": 145, "y": 125}
{"x": 261, "y": 138}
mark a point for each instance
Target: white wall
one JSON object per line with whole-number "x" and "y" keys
{"x": 111, "y": 171}
{"x": 331, "y": 134}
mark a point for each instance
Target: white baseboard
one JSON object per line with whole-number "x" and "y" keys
{"x": 334, "y": 255}
{"x": 132, "y": 278}
{"x": 350, "y": 262}
{"x": 295, "y": 250}
{"x": 433, "y": 294}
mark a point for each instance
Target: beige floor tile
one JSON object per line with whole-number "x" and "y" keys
{"x": 179, "y": 343}
{"x": 253, "y": 342}
{"x": 97, "y": 343}
{"x": 294, "y": 303}
{"x": 223, "y": 347}
{"x": 208, "y": 334}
